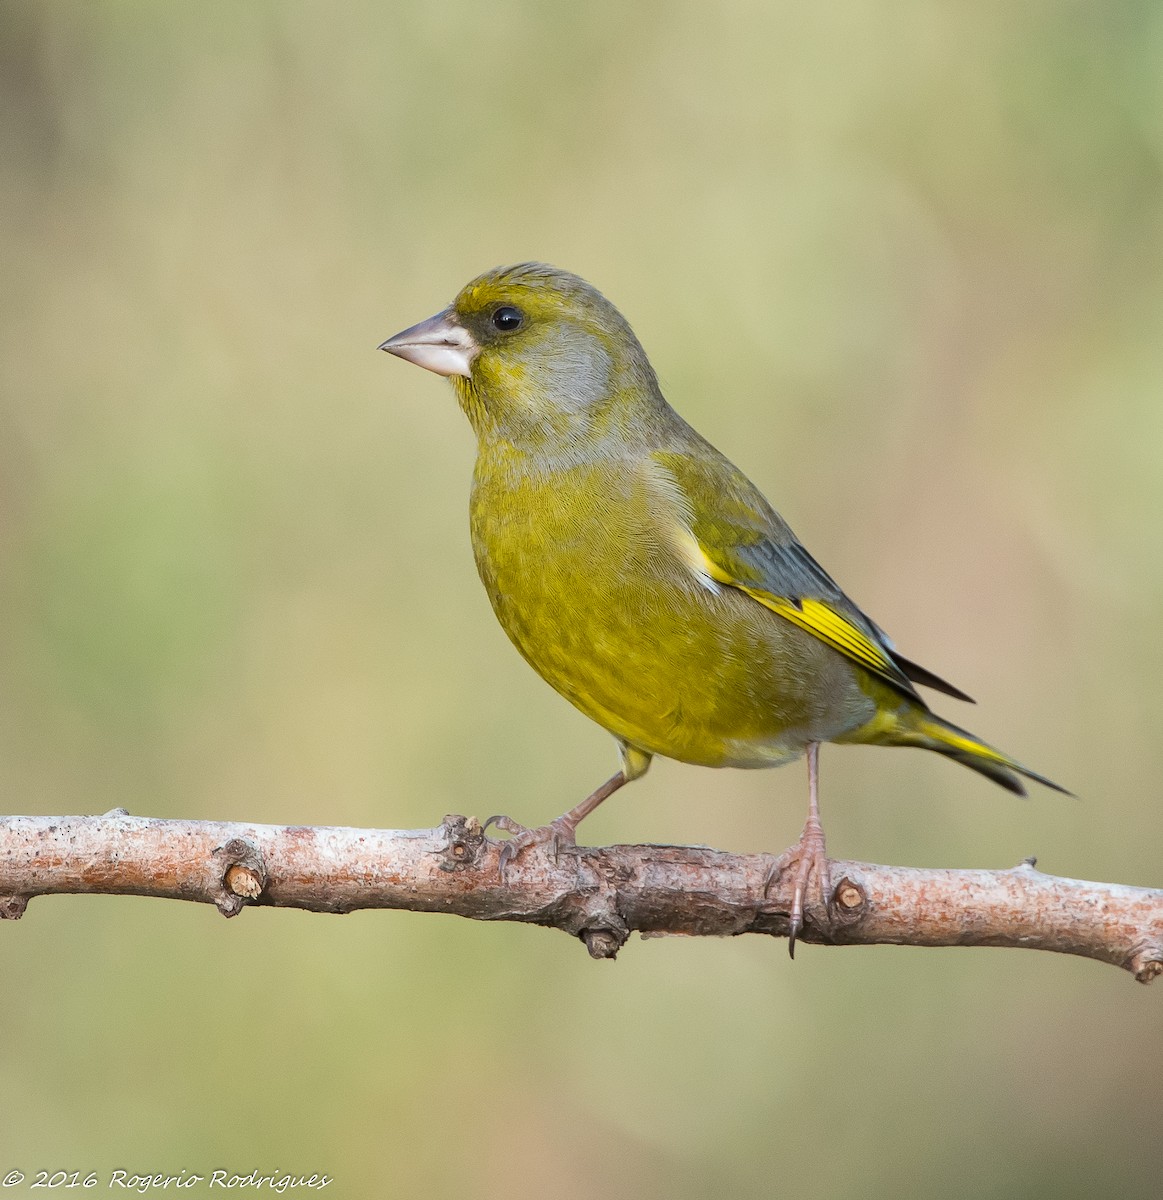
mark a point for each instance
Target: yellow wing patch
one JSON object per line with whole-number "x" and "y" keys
{"x": 830, "y": 627}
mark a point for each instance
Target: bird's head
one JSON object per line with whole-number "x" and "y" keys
{"x": 536, "y": 354}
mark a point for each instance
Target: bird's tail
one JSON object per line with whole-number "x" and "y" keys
{"x": 919, "y": 727}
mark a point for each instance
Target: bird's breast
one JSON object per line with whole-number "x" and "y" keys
{"x": 586, "y": 576}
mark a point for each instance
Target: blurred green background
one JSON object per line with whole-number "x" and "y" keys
{"x": 902, "y": 262}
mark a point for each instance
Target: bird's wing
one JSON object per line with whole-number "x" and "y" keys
{"x": 744, "y": 543}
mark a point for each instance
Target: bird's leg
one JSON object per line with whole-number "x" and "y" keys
{"x": 559, "y": 834}
{"x": 808, "y": 854}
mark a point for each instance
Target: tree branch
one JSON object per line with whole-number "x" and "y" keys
{"x": 599, "y": 895}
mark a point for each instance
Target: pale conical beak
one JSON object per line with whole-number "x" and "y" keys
{"x": 439, "y": 344}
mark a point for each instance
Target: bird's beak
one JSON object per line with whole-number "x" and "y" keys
{"x": 439, "y": 344}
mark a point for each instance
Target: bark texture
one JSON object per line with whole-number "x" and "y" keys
{"x": 600, "y": 895}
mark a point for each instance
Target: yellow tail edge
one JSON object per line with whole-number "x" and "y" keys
{"x": 920, "y": 728}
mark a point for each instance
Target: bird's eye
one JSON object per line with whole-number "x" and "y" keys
{"x": 507, "y": 318}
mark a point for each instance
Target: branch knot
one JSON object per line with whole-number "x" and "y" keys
{"x": 240, "y": 876}
{"x": 465, "y": 839}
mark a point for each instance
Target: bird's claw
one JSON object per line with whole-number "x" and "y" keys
{"x": 809, "y": 859}
{"x": 557, "y": 836}
{"x": 503, "y": 822}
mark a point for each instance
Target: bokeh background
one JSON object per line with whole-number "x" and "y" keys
{"x": 903, "y": 263}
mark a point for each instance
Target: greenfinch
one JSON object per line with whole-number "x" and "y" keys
{"x": 644, "y": 576}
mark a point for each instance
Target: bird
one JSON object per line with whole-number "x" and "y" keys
{"x": 646, "y": 578}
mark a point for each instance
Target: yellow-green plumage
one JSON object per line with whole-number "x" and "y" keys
{"x": 622, "y": 628}
{"x": 636, "y": 569}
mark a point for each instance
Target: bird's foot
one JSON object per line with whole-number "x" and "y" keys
{"x": 557, "y": 836}
{"x": 809, "y": 860}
